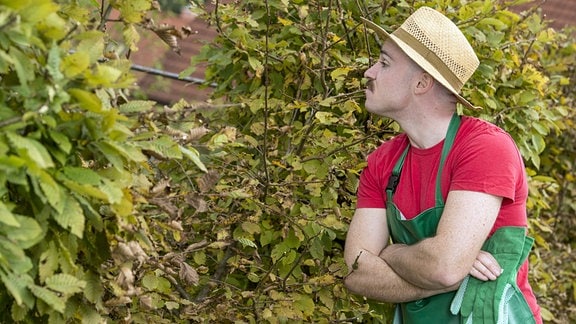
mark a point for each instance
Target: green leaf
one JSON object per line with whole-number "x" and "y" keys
{"x": 164, "y": 146}
{"x": 53, "y": 63}
{"x": 496, "y": 23}
{"x": 131, "y": 36}
{"x": 247, "y": 242}
{"x": 539, "y": 142}
{"x": 71, "y": 217}
{"x": 112, "y": 190}
{"x": 17, "y": 286}
{"x": 27, "y": 234}
{"x": 194, "y": 156}
{"x": 316, "y": 249}
{"x": 111, "y": 154}
{"x": 340, "y": 73}
{"x": 82, "y": 175}
{"x": 326, "y": 118}
{"x": 251, "y": 227}
{"x": 22, "y": 65}
{"x": 74, "y": 64}
{"x": 129, "y": 151}
{"x": 19, "y": 312}
{"x": 65, "y": 283}
{"x": 132, "y": 11}
{"x": 85, "y": 190}
{"x": 291, "y": 240}
{"x": 48, "y": 263}
{"x": 49, "y": 297}
{"x": 61, "y": 140}
{"x": 279, "y": 251}
{"x": 13, "y": 257}
{"x": 94, "y": 290}
{"x": 256, "y": 65}
{"x": 327, "y": 102}
{"x": 51, "y": 190}
{"x": 155, "y": 283}
{"x": 37, "y": 11}
{"x": 87, "y": 100}
{"x": 136, "y": 106}
{"x": 91, "y": 45}
{"x": 266, "y": 237}
{"x": 304, "y": 303}
{"x": 7, "y": 217}
{"x": 104, "y": 75}
{"x": 31, "y": 149}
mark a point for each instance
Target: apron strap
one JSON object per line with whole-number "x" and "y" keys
{"x": 448, "y": 142}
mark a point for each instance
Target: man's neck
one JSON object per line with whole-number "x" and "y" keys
{"x": 425, "y": 131}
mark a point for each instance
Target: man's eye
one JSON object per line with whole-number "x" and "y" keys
{"x": 383, "y": 63}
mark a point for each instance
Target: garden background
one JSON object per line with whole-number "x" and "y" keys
{"x": 117, "y": 208}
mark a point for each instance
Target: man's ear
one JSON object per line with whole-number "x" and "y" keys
{"x": 424, "y": 83}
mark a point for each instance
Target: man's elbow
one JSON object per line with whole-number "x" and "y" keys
{"x": 353, "y": 284}
{"x": 349, "y": 283}
{"x": 444, "y": 277}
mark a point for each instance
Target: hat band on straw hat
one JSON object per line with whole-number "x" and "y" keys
{"x": 431, "y": 57}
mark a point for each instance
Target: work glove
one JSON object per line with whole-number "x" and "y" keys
{"x": 496, "y": 301}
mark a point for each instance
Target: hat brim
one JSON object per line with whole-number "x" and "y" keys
{"x": 420, "y": 60}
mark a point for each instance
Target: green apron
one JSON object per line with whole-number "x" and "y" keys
{"x": 434, "y": 309}
{"x": 498, "y": 301}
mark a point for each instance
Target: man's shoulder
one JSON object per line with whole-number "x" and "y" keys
{"x": 478, "y": 135}
{"x": 475, "y": 127}
{"x": 389, "y": 149}
{"x": 392, "y": 144}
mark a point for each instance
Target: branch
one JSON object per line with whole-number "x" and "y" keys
{"x": 10, "y": 121}
{"x": 217, "y": 275}
{"x": 266, "y": 80}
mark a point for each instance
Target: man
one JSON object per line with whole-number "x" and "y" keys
{"x": 435, "y": 268}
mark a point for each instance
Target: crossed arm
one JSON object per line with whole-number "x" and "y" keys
{"x": 401, "y": 273}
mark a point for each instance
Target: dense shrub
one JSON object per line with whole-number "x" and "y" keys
{"x": 120, "y": 210}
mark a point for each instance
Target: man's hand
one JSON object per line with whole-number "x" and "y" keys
{"x": 485, "y": 267}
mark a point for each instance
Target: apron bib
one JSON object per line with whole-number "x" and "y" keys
{"x": 506, "y": 241}
{"x": 434, "y": 309}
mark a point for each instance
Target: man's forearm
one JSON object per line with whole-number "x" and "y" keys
{"x": 372, "y": 277}
{"x": 420, "y": 265}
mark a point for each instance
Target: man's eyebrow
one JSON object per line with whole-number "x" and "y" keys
{"x": 385, "y": 53}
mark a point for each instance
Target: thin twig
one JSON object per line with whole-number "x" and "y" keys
{"x": 266, "y": 107}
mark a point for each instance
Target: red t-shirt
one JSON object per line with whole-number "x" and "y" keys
{"x": 483, "y": 158}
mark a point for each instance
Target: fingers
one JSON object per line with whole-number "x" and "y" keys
{"x": 485, "y": 267}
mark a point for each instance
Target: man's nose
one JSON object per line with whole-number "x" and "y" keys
{"x": 370, "y": 74}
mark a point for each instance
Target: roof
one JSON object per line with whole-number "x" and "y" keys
{"x": 154, "y": 53}
{"x": 560, "y": 13}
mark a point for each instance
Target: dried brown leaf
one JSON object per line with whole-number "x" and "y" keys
{"x": 177, "y": 225}
{"x": 198, "y": 132}
{"x": 208, "y": 181}
{"x": 125, "y": 278}
{"x": 146, "y": 302}
{"x": 194, "y": 246}
{"x": 160, "y": 186}
{"x": 122, "y": 253}
{"x": 170, "y": 35}
{"x": 197, "y": 202}
{"x": 188, "y": 274}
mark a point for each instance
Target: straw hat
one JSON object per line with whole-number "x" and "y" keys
{"x": 436, "y": 44}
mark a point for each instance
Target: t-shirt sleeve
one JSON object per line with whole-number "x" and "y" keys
{"x": 371, "y": 193}
{"x": 489, "y": 163}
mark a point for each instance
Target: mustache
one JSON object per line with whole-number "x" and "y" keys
{"x": 370, "y": 84}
